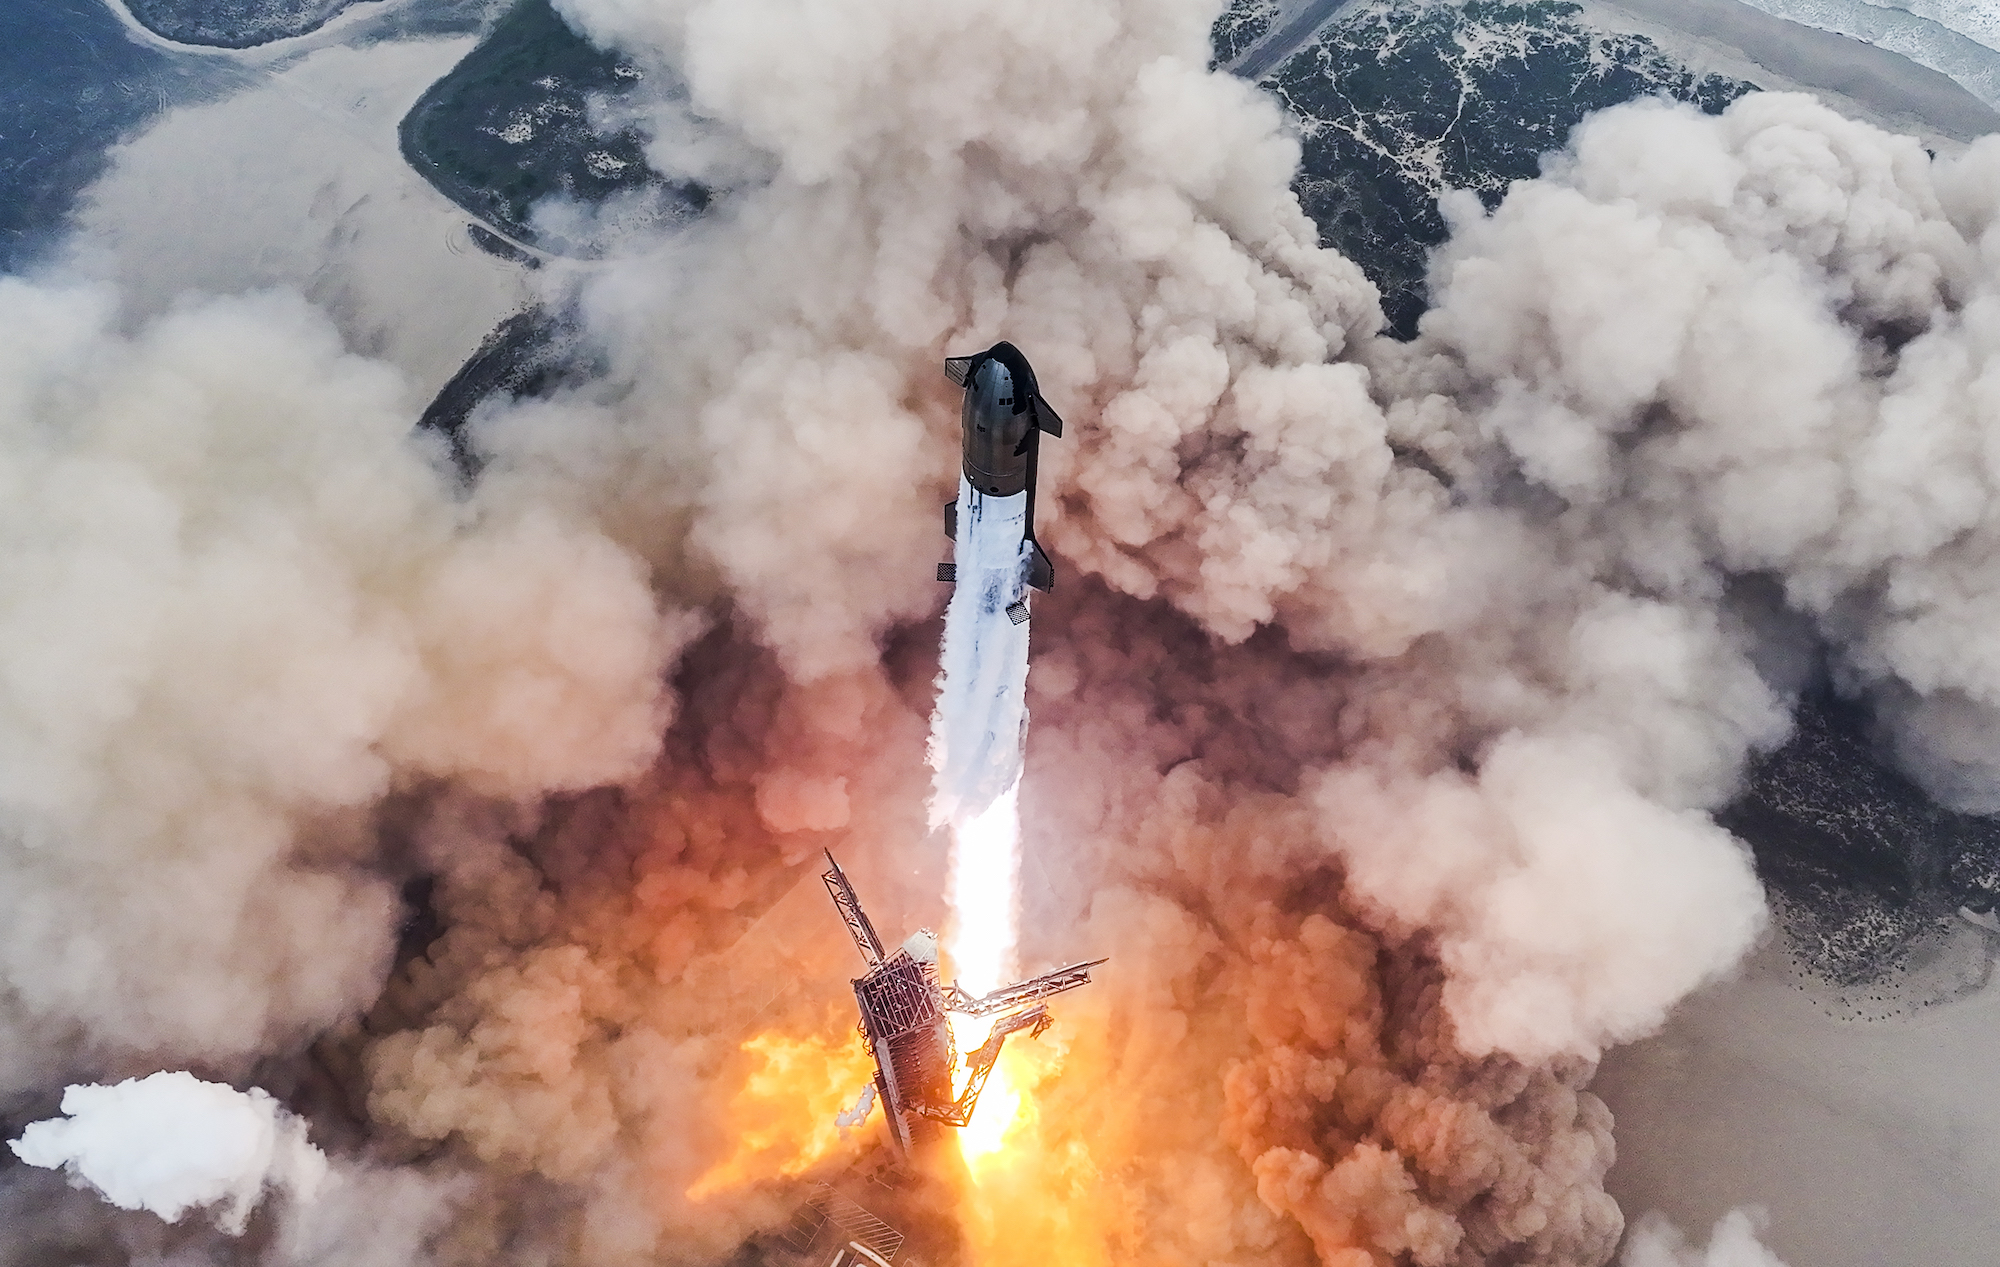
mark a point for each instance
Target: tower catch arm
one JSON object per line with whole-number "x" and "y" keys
{"x": 1042, "y": 987}
{"x": 849, "y": 906}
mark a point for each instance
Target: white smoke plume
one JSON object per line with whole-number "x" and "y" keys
{"x": 170, "y": 1143}
{"x": 858, "y": 1112}
{"x": 982, "y": 708}
{"x": 1232, "y": 458}
{"x": 1377, "y": 720}
{"x": 1658, "y": 1243}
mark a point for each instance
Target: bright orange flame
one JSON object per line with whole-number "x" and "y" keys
{"x": 784, "y": 1114}
{"x": 998, "y": 1115}
{"x": 967, "y": 1034}
{"x": 993, "y": 1117}
{"x": 1034, "y": 1193}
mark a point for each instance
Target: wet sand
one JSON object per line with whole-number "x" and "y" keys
{"x": 1869, "y": 1143}
{"x": 1888, "y": 86}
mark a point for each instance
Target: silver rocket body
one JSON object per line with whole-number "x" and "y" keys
{"x": 996, "y": 433}
{"x": 1003, "y": 418}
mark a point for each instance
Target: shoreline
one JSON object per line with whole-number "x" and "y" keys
{"x": 334, "y": 30}
{"x": 1922, "y": 39}
{"x": 1738, "y": 38}
{"x": 1865, "y": 1141}
{"x": 1897, "y": 91}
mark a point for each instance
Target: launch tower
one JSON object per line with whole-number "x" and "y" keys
{"x": 904, "y": 1018}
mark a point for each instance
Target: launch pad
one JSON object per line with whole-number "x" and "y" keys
{"x": 905, "y": 1018}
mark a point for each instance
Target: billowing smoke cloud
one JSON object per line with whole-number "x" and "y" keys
{"x": 1782, "y": 366}
{"x": 1376, "y": 720}
{"x": 243, "y": 607}
{"x": 170, "y": 1142}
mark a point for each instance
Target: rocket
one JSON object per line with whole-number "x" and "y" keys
{"x": 1003, "y": 418}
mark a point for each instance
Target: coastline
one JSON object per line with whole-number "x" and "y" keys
{"x": 1924, "y": 40}
{"x": 1889, "y": 88}
{"x": 335, "y": 30}
{"x": 1864, "y": 1141}
{"x": 1743, "y": 39}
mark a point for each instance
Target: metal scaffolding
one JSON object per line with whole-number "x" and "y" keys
{"x": 904, "y": 1009}
{"x": 1009, "y": 997}
{"x": 828, "y": 1227}
{"x": 850, "y": 910}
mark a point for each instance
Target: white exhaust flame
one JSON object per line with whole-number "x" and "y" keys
{"x": 985, "y": 868}
{"x": 977, "y": 735}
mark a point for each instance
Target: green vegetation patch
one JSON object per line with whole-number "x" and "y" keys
{"x": 233, "y": 23}
{"x": 1861, "y": 862}
{"x": 1401, "y": 100}
{"x": 513, "y": 124}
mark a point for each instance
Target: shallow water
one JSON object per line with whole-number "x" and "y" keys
{"x": 1953, "y": 37}
{"x": 1867, "y": 1142}
{"x": 71, "y": 84}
